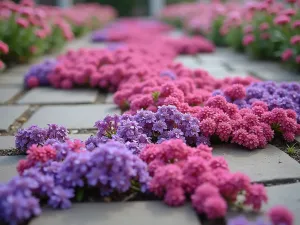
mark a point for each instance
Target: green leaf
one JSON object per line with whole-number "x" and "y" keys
{"x": 80, "y": 194}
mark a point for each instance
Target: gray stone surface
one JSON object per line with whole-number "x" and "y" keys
{"x": 52, "y": 96}
{"x": 7, "y": 142}
{"x": 109, "y": 99}
{"x": 71, "y": 116}
{"x": 6, "y": 79}
{"x": 298, "y": 138}
{"x": 82, "y": 137}
{"x": 261, "y": 164}
{"x": 8, "y": 166}
{"x": 188, "y": 61}
{"x": 287, "y": 195}
{"x": 6, "y": 93}
{"x": 128, "y": 213}
{"x": 8, "y": 114}
{"x": 284, "y": 195}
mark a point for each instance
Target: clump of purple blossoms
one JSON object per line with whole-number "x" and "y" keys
{"x": 109, "y": 167}
{"x": 40, "y": 73}
{"x": 36, "y": 135}
{"x": 148, "y": 127}
{"x": 284, "y": 95}
{"x": 19, "y": 198}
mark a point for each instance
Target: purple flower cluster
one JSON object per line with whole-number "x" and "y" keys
{"x": 38, "y": 74}
{"x": 284, "y": 95}
{"x": 109, "y": 167}
{"x": 147, "y": 126}
{"x": 19, "y": 198}
{"x": 36, "y": 135}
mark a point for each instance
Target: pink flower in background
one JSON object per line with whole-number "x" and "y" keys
{"x": 3, "y": 47}
{"x": 289, "y": 12}
{"x": 22, "y": 22}
{"x": 287, "y": 54}
{"x": 40, "y": 34}
{"x": 295, "y": 40}
{"x": 264, "y": 26}
{"x": 248, "y": 39}
{"x": 265, "y": 36}
{"x": 282, "y": 20}
{"x": 33, "y": 49}
{"x": 280, "y": 215}
{"x": 1, "y": 65}
{"x": 296, "y": 24}
{"x": 248, "y": 29}
{"x": 291, "y": 1}
{"x": 298, "y": 59}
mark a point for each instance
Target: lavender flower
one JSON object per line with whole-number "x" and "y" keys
{"x": 110, "y": 167}
{"x": 40, "y": 73}
{"x": 27, "y": 137}
{"x": 57, "y": 132}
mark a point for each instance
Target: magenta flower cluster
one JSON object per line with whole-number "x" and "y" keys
{"x": 179, "y": 171}
{"x": 249, "y": 127}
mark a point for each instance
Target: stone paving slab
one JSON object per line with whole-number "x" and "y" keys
{"x": 72, "y": 116}
{"x": 285, "y": 195}
{"x": 82, "y": 137}
{"x": 53, "y": 96}
{"x": 109, "y": 99}
{"x": 263, "y": 164}
{"x": 221, "y": 73}
{"x": 188, "y": 61}
{"x": 7, "y": 142}
{"x": 128, "y": 213}
{"x": 9, "y": 114}
{"x": 8, "y": 166}
{"x": 6, "y": 93}
{"x": 11, "y": 80}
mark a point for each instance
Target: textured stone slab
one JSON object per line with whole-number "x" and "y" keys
{"x": 221, "y": 73}
{"x": 298, "y": 138}
{"x": 109, "y": 99}
{"x": 6, "y": 93}
{"x": 278, "y": 75}
{"x": 188, "y": 61}
{"x": 262, "y": 164}
{"x": 128, "y": 213}
{"x": 72, "y": 116}
{"x": 50, "y": 95}
{"x": 286, "y": 195}
{"x": 11, "y": 80}
{"x": 8, "y": 114}
{"x": 7, "y": 142}
{"x": 82, "y": 137}
{"x": 8, "y": 166}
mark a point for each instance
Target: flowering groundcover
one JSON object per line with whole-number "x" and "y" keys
{"x": 160, "y": 145}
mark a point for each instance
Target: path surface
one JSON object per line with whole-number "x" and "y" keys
{"x": 79, "y": 109}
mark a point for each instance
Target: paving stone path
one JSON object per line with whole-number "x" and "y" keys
{"x": 79, "y": 109}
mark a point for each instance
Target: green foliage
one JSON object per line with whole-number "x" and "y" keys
{"x": 215, "y": 34}
{"x": 234, "y": 38}
{"x": 291, "y": 149}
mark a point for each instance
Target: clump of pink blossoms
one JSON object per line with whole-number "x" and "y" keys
{"x": 180, "y": 171}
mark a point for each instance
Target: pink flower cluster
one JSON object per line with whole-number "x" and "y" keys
{"x": 3, "y": 50}
{"x": 46, "y": 28}
{"x": 52, "y": 150}
{"x": 248, "y": 127}
{"x": 179, "y": 171}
